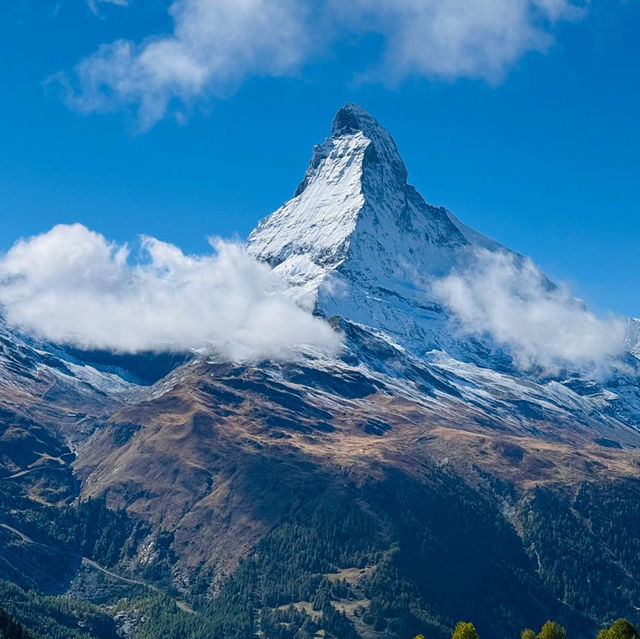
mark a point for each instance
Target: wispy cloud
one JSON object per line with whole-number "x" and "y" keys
{"x": 542, "y": 326}
{"x": 216, "y": 44}
{"x": 70, "y": 285}
{"x": 95, "y": 4}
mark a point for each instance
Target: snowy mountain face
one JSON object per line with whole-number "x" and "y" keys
{"x": 361, "y": 243}
{"x": 633, "y": 336}
{"x": 68, "y": 393}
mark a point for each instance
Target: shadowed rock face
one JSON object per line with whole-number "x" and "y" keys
{"x": 415, "y": 480}
{"x": 140, "y": 368}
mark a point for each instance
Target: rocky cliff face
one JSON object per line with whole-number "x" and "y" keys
{"x": 414, "y": 480}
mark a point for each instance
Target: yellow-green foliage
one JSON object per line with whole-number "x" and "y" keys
{"x": 464, "y": 630}
{"x": 620, "y": 629}
{"x": 551, "y": 630}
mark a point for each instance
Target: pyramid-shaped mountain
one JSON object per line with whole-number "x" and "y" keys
{"x": 415, "y": 479}
{"x": 360, "y": 242}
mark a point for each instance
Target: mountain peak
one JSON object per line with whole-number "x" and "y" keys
{"x": 354, "y": 208}
{"x": 352, "y": 118}
{"x": 357, "y": 241}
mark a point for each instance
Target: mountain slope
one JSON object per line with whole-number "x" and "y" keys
{"x": 416, "y": 479}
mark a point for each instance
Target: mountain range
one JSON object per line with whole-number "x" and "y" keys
{"x": 421, "y": 475}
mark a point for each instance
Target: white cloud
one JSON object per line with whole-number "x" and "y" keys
{"x": 70, "y": 285}
{"x": 457, "y": 38}
{"x": 507, "y": 297}
{"x": 216, "y": 44}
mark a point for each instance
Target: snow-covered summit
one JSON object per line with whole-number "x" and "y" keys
{"x": 354, "y": 203}
{"x": 359, "y": 241}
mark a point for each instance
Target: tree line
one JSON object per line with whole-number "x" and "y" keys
{"x": 619, "y": 629}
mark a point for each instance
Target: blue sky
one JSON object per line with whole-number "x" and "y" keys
{"x": 541, "y": 154}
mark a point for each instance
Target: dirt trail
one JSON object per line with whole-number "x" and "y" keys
{"x": 92, "y": 564}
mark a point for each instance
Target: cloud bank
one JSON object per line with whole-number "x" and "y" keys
{"x": 72, "y": 286}
{"x": 542, "y": 326}
{"x": 216, "y": 44}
